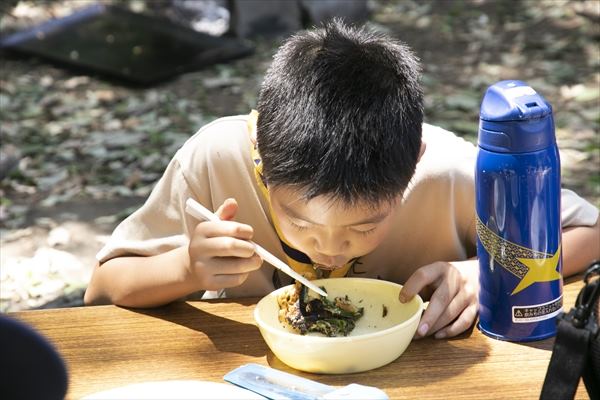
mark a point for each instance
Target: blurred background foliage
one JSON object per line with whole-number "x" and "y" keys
{"x": 86, "y": 152}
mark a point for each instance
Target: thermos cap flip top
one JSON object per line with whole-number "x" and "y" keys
{"x": 514, "y": 118}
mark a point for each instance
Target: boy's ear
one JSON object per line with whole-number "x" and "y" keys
{"x": 423, "y": 147}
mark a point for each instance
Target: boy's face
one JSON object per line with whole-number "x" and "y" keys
{"x": 329, "y": 232}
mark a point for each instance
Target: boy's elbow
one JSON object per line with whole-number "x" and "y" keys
{"x": 593, "y": 240}
{"x": 90, "y": 298}
{"x": 581, "y": 246}
{"x": 93, "y": 295}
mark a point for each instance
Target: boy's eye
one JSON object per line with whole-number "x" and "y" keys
{"x": 364, "y": 231}
{"x": 298, "y": 227}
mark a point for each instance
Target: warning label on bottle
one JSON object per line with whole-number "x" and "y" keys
{"x": 536, "y": 312}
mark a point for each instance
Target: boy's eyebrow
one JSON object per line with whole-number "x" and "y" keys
{"x": 370, "y": 220}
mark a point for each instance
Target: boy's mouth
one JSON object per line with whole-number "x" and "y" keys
{"x": 327, "y": 267}
{"x": 328, "y": 263}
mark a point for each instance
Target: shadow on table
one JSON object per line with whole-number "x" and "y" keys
{"x": 430, "y": 360}
{"x": 545, "y": 344}
{"x": 226, "y": 334}
{"x": 425, "y": 361}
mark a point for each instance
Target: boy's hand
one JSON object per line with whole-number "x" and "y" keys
{"x": 221, "y": 255}
{"x": 454, "y": 299}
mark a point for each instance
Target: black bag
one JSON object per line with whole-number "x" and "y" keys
{"x": 576, "y": 352}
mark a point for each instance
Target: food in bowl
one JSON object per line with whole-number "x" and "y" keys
{"x": 305, "y": 313}
{"x": 380, "y": 336}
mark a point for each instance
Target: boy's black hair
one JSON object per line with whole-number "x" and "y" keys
{"x": 340, "y": 114}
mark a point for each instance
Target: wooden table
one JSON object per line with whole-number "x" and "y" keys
{"x": 107, "y": 346}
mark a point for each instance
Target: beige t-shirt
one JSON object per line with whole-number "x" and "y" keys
{"x": 433, "y": 223}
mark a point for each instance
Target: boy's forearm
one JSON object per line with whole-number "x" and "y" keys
{"x": 580, "y": 246}
{"x": 141, "y": 281}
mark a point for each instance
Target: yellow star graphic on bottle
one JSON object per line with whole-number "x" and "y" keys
{"x": 530, "y": 266}
{"x": 540, "y": 270}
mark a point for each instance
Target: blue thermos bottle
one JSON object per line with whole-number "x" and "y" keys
{"x": 517, "y": 187}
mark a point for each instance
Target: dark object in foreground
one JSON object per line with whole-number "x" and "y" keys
{"x": 31, "y": 366}
{"x": 135, "y": 48}
{"x": 576, "y": 351}
{"x": 331, "y": 318}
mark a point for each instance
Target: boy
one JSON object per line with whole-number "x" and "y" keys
{"x": 338, "y": 175}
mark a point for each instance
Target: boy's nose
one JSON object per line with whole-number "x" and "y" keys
{"x": 331, "y": 247}
{"x": 326, "y": 262}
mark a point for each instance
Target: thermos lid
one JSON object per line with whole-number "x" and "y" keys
{"x": 514, "y": 118}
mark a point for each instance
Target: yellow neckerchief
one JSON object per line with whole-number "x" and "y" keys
{"x": 296, "y": 259}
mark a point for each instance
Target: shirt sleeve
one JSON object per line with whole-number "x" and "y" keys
{"x": 577, "y": 211}
{"x": 160, "y": 225}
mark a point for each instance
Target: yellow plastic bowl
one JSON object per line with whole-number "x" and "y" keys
{"x": 375, "y": 341}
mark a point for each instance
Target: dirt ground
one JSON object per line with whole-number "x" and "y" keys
{"x": 87, "y": 151}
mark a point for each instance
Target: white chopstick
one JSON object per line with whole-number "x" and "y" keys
{"x": 200, "y": 212}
